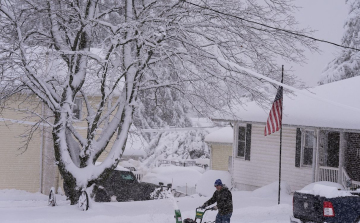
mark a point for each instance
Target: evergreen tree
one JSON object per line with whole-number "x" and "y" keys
{"x": 347, "y": 63}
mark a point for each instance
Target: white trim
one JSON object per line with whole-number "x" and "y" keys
{"x": 314, "y": 156}
{"x": 235, "y": 128}
{"x": 41, "y": 147}
{"x": 219, "y": 143}
{"x": 237, "y": 141}
{"x": 289, "y": 125}
{"x": 211, "y": 157}
{"x": 303, "y": 135}
{"x": 342, "y": 148}
{"x": 317, "y": 168}
{"x": 174, "y": 129}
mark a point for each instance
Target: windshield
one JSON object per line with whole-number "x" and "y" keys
{"x": 127, "y": 176}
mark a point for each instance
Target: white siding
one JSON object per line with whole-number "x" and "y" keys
{"x": 263, "y": 167}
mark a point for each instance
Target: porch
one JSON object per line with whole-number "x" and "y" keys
{"x": 337, "y": 158}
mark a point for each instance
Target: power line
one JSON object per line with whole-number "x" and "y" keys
{"x": 271, "y": 27}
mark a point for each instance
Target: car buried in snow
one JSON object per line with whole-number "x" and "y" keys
{"x": 122, "y": 185}
{"x": 325, "y": 202}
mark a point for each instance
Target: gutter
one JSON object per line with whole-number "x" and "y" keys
{"x": 289, "y": 125}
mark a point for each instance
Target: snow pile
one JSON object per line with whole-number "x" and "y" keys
{"x": 325, "y": 189}
{"x": 205, "y": 185}
{"x": 17, "y": 195}
{"x": 178, "y": 176}
{"x": 272, "y": 190}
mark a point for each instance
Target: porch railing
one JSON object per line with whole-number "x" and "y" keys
{"x": 139, "y": 175}
{"x": 347, "y": 182}
{"x": 328, "y": 174}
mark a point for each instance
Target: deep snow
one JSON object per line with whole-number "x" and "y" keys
{"x": 20, "y": 206}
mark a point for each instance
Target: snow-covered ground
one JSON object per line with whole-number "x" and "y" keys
{"x": 258, "y": 206}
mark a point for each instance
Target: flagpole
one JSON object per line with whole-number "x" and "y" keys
{"x": 282, "y": 78}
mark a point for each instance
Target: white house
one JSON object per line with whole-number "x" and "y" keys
{"x": 321, "y": 138}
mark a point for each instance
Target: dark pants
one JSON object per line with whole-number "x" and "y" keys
{"x": 223, "y": 218}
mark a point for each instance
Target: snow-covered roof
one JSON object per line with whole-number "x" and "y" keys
{"x": 134, "y": 152}
{"x": 333, "y": 105}
{"x": 223, "y": 135}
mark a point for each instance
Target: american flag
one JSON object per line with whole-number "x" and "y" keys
{"x": 273, "y": 123}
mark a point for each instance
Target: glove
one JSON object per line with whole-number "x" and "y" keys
{"x": 214, "y": 208}
{"x": 203, "y": 206}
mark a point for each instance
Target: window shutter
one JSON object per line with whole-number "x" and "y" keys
{"x": 298, "y": 147}
{"x": 248, "y": 142}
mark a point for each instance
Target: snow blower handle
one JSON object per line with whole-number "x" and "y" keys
{"x": 214, "y": 208}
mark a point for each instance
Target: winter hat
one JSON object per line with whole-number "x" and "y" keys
{"x": 218, "y": 183}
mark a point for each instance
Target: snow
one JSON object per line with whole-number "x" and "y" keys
{"x": 205, "y": 185}
{"x": 178, "y": 176}
{"x": 333, "y": 105}
{"x": 134, "y": 152}
{"x": 325, "y": 189}
{"x": 272, "y": 190}
{"x": 15, "y": 208}
{"x": 223, "y": 135}
{"x": 203, "y": 161}
{"x": 121, "y": 168}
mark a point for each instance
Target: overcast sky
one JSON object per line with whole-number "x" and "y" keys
{"x": 327, "y": 17}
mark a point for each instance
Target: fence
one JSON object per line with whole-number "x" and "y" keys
{"x": 347, "y": 182}
{"x": 186, "y": 190}
{"x": 181, "y": 163}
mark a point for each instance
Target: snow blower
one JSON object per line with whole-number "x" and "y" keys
{"x": 199, "y": 215}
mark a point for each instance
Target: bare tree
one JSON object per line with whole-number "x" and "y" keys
{"x": 129, "y": 51}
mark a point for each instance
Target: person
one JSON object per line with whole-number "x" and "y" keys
{"x": 223, "y": 197}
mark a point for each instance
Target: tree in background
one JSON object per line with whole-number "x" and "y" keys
{"x": 347, "y": 63}
{"x": 142, "y": 60}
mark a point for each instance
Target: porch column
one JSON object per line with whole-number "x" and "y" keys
{"x": 317, "y": 156}
{"x": 234, "y": 150}
{"x": 342, "y": 148}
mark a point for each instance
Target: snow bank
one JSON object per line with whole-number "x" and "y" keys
{"x": 178, "y": 176}
{"x": 325, "y": 189}
{"x": 16, "y": 195}
{"x": 272, "y": 190}
{"x": 205, "y": 185}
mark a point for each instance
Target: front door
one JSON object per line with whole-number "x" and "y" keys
{"x": 352, "y": 156}
{"x": 333, "y": 149}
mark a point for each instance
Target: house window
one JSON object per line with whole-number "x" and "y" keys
{"x": 77, "y": 108}
{"x": 308, "y": 147}
{"x": 241, "y": 141}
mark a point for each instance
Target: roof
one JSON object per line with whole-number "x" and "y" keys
{"x": 223, "y": 135}
{"x": 334, "y": 105}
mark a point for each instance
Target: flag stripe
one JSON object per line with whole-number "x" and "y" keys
{"x": 276, "y": 116}
{"x": 273, "y": 123}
